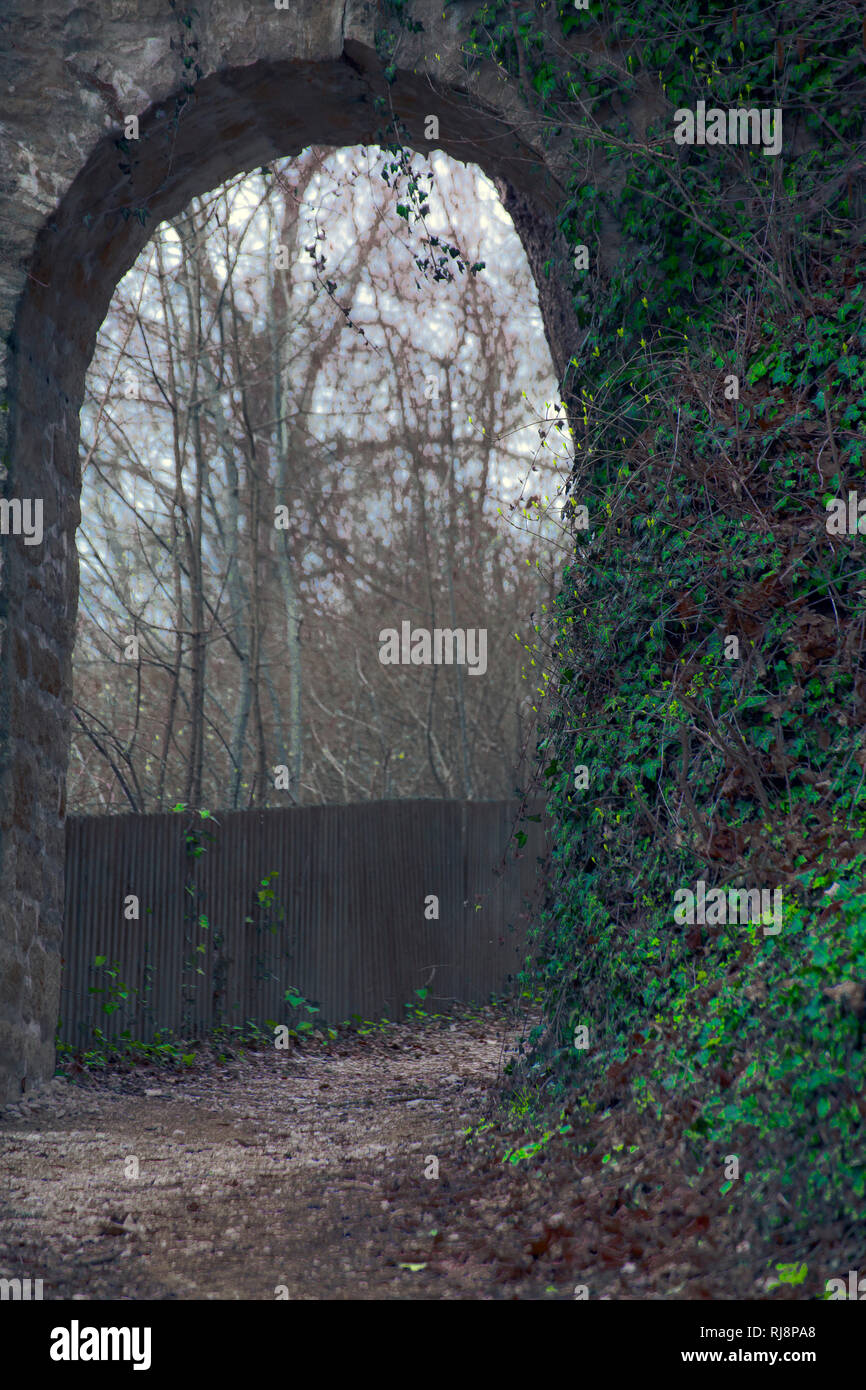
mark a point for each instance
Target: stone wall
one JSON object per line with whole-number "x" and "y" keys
{"x": 239, "y": 84}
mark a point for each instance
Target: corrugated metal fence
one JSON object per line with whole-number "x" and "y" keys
{"x": 327, "y": 900}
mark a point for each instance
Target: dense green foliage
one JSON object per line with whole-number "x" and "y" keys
{"x": 707, "y": 519}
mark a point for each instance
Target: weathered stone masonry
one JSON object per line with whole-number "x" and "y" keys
{"x": 264, "y": 83}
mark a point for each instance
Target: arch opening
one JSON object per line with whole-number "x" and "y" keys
{"x": 240, "y": 118}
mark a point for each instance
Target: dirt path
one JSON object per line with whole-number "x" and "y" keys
{"x": 303, "y": 1172}
{"x": 346, "y": 1174}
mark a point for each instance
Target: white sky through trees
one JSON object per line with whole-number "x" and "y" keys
{"x": 401, "y": 506}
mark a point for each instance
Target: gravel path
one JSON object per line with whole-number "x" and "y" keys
{"x": 283, "y": 1174}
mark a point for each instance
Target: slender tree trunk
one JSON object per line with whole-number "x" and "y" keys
{"x": 459, "y": 676}
{"x": 285, "y": 560}
{"x": 176, "y": 515}
{"x": 193, "y": 788}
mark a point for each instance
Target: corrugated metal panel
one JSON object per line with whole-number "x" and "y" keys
{"x": 353, "y": 936}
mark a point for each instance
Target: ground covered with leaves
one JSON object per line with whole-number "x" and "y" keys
{"x": 309, "y": 1174}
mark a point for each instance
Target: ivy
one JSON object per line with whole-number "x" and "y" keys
{"x": 707, "y": 519}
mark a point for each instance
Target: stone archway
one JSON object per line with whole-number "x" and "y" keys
{"x": 79, "y": 207}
